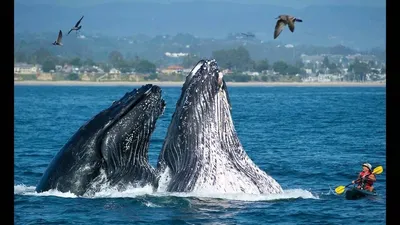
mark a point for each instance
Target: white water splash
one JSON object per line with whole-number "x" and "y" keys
{"x": 147, "y": 190}
{"x": 164, "y": 180}
{"x": 128, "y": 193}
{"x": 30, "y": 190}
{"x": 151, "y": 205}
{"x": 287, "y": 194}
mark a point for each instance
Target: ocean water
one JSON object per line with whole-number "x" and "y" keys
{"x": 310, "y": 139}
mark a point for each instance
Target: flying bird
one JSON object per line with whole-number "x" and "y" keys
{"x": 283, "y": 21}
{"x": 76, "y": 27}
{"x": 248, "y": 34}
{"x": 59, "y": 38}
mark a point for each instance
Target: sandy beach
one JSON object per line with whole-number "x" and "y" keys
{"x": 179, "y": 84}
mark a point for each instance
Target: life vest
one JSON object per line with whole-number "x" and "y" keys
{"x": 367, "y": 183}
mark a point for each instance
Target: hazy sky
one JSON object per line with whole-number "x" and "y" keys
{"x": 289, "y": 3}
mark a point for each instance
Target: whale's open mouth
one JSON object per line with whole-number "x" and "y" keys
{"x": 125, "y": 139}
{"x": 205, "y": 79}
{"x": 131, "y": 99}
{"x": 204, "y": 69}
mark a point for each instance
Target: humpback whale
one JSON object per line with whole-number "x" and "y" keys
{"x": 111, "y": 148}
{"x": 202, "y": 151}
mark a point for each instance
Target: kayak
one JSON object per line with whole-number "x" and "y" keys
{"x": 355, "y": 193}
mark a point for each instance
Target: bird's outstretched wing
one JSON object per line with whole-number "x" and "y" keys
{"x": 278, "y": 28}
{"x": 77, "y": 23}
{"x": 291, "y": 24}
{"x": 59, "y": 38}
{"x": 69, "y": 31}
{"x": 248, "y": 34}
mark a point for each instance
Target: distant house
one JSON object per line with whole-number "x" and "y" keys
{"x": 24, "y": 68}
{"x": 114, "y": 71}
{"x": 172, "y": 69}
{"x": 175, "y": 55}
{"x": 311, "y": 58}
{"x": 322, "y": 78}
{"x": 310, "y": 79}
{"x": 325, "y": 77}
{"x": 114, "y": 74}
{"x": 251, "y": 73}
{"x": 67, "y": 68}
{"x": 98, "y": 69}
{"x": 226, "y": 71}
{"x": 308, "y": 71}
{"x": 90, "y": 70}
{"x": 58, "y": 68}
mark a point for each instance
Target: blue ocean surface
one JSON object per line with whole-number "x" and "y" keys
{"x": 310, "y": 139}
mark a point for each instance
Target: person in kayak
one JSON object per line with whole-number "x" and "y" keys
{"x": 366, "y": 178}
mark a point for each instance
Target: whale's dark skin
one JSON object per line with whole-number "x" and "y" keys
{"x": 113, "y": 143}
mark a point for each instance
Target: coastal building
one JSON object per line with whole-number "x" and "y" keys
{"x": 24, "y": 68}
{"x": 67, "y": 68}
{"x": 58, "y": 68}
{"x": 172, "y": 69}
{"x": 308, "y": 71}
{"x": 323, "y": 78}
{"x": 250, "y": 73}
{"x": 114, "y": 71}
{"x": 310, "y": 79}
{"x": 226, "y": 71}
{"x": 114, "y": 74}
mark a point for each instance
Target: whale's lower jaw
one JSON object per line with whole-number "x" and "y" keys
{"x": 225, "y": 179}
{"x": 228, "y": 179}
{"x": 214, "y": 159}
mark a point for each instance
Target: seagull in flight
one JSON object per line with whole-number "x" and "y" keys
{"x": 59, "y": 38}
{"x": 76, "y": 27}
{"x": 248, "y": 34}
{"x": 283, "y": 21}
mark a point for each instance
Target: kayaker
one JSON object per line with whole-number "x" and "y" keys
{"x": 366, "y": 178}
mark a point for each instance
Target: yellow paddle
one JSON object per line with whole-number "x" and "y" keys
{"x": 339, "y": 190}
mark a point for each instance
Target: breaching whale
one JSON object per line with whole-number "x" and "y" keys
{"x": 113, "y": 143}
{"x": 202, "y": 151}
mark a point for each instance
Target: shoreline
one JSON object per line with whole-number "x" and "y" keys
{"x": 179, "y": 84}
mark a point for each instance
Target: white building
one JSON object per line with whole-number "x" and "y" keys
{"x": 114, "y": 71}
{"x": 24, "y": 68}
